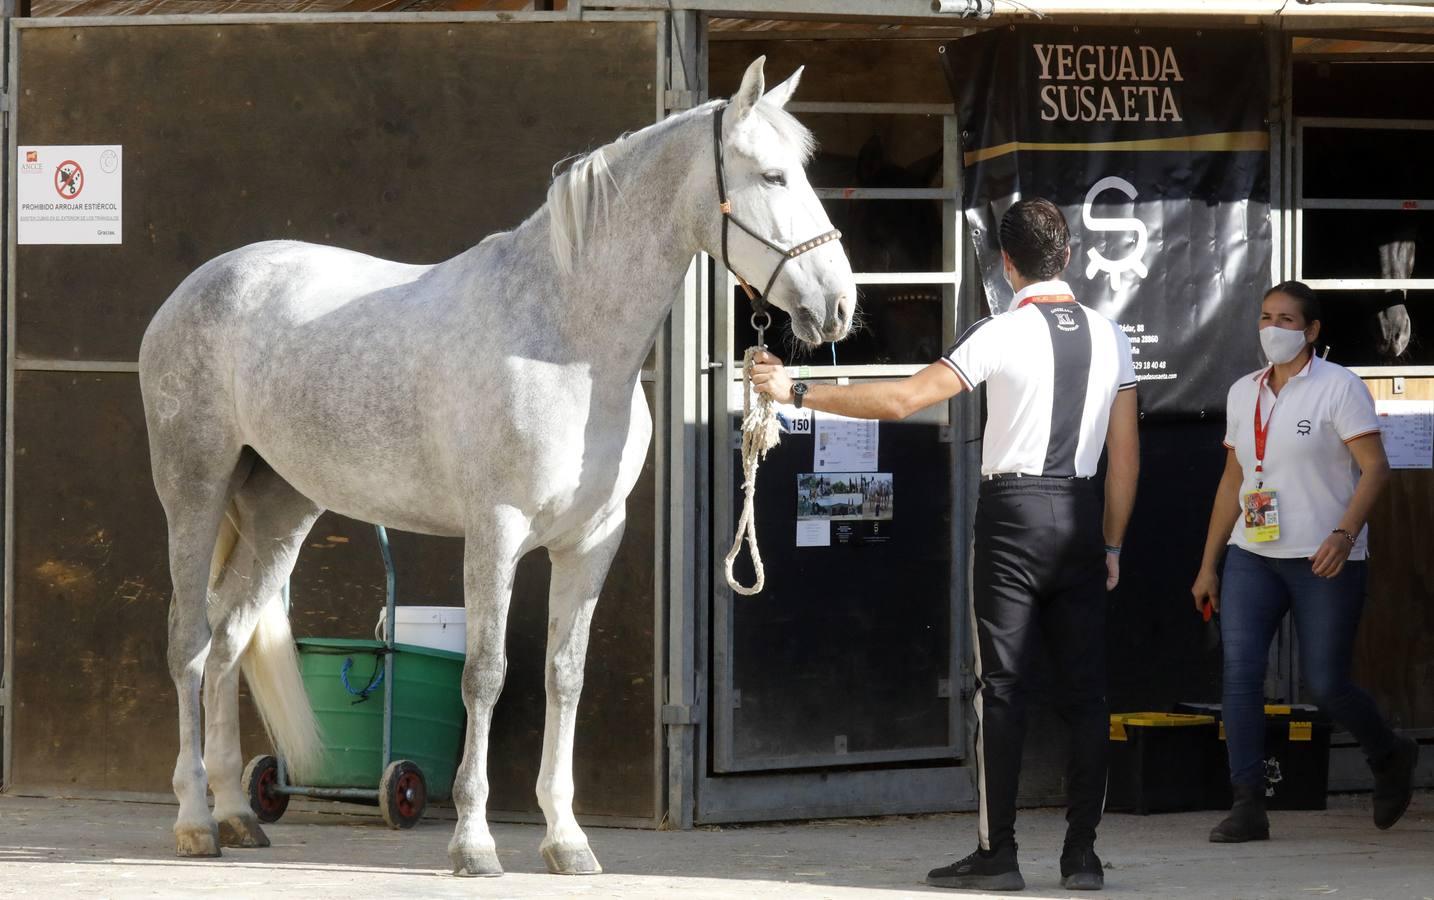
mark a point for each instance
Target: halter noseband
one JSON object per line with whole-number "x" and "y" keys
{"x": 759, "y": 302}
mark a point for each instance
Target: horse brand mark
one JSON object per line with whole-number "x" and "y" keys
{"x": 168, "y": 404}
{"x": 1064, "y": 320}
{"x": 1118, "y": 267}
{"x": 1303, "y": 426}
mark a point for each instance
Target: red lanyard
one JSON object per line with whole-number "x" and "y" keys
{"x": 1262, "y": 431}
{"x": 1046, "y": 298}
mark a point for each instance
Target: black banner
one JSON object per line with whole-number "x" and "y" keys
{"x": 1154, "y": 144}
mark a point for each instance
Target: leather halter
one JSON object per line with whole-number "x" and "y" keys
{"x": 759, "y": 302}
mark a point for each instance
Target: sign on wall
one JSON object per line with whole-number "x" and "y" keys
{"x": 69, "y": 194}
{"x": 1154, "y": 144}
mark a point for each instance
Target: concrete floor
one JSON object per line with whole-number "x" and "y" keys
{"x": 72, "y": 848}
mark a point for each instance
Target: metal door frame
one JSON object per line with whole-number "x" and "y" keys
{"x": 700, "y": 345}
{"x": 725, "y": 435}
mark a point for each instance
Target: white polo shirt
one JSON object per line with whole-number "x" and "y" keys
{"x": 1307, "y": 461}
{"x": 1052, "y": 369}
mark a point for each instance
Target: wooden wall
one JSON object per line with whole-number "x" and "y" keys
{"x": 1394, "y": 658}
{"x": 406, "y": 140}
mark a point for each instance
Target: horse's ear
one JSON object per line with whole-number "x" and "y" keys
{"x": 779, "y": 95}
{"x": 753, "y": 84}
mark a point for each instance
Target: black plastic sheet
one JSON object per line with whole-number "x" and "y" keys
{"x": 1154, "y": 143}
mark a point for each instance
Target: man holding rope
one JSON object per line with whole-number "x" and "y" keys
{"x": 1060, "y": 387}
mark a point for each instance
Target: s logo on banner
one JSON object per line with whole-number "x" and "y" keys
{"x": 1116, "y": 268}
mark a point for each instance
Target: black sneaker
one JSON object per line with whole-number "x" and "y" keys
{"x": 1081, "y": 869}
{"x": 981, "y": 871}
{"x": 1394, "y": 782}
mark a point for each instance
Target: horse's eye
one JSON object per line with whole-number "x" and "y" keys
{"x": 775, "y": 178}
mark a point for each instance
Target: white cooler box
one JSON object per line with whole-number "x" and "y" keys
{"x": 436, "y": 627}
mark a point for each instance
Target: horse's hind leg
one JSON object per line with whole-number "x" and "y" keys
{"x": 578, "y": 575}
{"x": 271, "y": 520}
{"x": 194, "y": 500}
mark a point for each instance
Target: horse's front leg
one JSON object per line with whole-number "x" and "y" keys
{"x": 578, "y": 575}
{"x": 490, "y": 557}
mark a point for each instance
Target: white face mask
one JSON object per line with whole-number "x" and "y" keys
{"x": 1281, "y": 344}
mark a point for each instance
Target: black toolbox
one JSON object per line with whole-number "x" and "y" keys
{"x": 1158, "y": 761}
{"x": 1296, "y": 757}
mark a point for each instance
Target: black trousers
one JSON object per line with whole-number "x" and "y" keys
{"x": 1039, "y": 578}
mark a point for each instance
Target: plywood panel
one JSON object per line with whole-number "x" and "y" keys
{"x": 407, "y": 140}
{"x": 1394, "y": 657}
{"x": 94, "y": 705}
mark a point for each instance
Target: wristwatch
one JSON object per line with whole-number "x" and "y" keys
{"x": 799, "y": 390}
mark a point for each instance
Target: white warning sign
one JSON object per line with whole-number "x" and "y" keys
{"x": 69, "y": 194}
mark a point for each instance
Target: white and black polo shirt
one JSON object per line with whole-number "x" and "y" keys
{"x": 1052, "y": 369}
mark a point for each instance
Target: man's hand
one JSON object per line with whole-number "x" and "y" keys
{"x": 769, "y": 377}
{"x": 1206, "y": 591}
{"x": 1112, "y": 570}
{"x": 1331, "y": 556}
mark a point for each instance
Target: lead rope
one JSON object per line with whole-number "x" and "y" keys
{"x": 760, "y": 433}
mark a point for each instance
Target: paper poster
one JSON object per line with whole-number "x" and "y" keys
{"x": 845, "y": 445}
{"x": 814, "y": 533}
{"x": 1407, "y": 428}
{"x": 69, "y": 194}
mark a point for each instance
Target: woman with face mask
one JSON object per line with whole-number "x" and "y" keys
{"x": 1304, "y": 465}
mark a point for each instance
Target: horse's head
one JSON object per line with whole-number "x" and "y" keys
{"x": 777, "y": 235}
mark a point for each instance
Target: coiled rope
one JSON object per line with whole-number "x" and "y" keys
{"x": 760, "y": 433}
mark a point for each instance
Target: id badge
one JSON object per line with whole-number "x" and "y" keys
{"x": 1261, "y": 511}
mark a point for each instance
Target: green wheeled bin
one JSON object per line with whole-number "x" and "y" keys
{"x": 391, "y": 718}
{"x": 343, "y": 677}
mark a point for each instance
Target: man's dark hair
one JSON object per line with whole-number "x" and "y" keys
{"x": 1035, "y": 236}
{"x": 1303, "y": 294}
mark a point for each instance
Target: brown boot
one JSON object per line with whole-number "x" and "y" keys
{"x": 1247, "y": 820}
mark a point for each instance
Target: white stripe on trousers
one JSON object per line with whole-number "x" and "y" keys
{"x": 983, "y": 822}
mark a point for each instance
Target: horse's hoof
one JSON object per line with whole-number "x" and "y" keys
{"x": 197, "y": 842}
{"x": 242, "y": 831}
{"x": 476, "y": 863}
{"x": 571, "y": 860}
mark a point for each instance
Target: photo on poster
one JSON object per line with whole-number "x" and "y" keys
{"x": 845, "y": 496}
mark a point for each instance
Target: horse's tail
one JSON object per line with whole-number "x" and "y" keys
{"x": 271, "y": 667}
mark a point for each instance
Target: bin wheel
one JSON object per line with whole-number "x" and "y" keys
{"x": 261, "y": 777}
{"x": 402, "y": 794}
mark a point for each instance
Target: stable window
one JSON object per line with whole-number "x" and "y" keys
{"x": 1364, "y": 209}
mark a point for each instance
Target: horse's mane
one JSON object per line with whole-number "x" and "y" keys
{"x": 579, "y": 197}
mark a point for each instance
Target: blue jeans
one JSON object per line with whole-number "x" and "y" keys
{"x": 1256, "y": 594}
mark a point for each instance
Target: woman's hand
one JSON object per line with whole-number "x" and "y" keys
{"x": 1206, "y": 590}
{"x": 1331, "y": 556}
{"x": 769, "y": 377}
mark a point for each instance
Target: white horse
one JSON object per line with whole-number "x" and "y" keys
{"x": 493, "y": 396}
